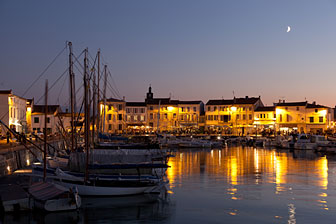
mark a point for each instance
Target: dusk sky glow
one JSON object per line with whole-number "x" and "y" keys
{"x": 191, "y": 49}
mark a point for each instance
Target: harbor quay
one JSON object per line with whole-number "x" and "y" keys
{"x": 242, "y": 116}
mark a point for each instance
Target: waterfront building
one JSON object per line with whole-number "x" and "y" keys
{"x": 264, "y": 120}
{"x": 136, "y": 116}
{"x": 37, "y": 118}
{"x": 302, "y": 117}
{"x": 233, "y": 116}
{"x": 13, "y": 111}
{"x": 189, "y": 115}
{"x": 113, "y": 119}
{"x": 166, "y": 114}
{"x": 64, "y": 121}
{"x": 29, "y": 109}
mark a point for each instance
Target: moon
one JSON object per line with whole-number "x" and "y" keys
{"x": 288, "y": 29}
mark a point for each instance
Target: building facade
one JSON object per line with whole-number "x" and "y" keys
{"x": 38, "y": 118}
{"x": 136, "y": 117}
{"x": 13, "y": 111}
{"x": 234, "y": 116}
{"x": 113, "y": 116}
{"x": 302, "y": 117}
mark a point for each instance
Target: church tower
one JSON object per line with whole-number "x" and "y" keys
{"x": 149, "y": 94}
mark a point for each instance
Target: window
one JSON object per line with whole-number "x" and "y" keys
{"x": 181, "y": 117}
{"x": 316, "y": 110}
{"x": 36, "y": 120}
{"x": 119, "y": 117}
{"x": 286, "y": 108}
{"x": 237, "y": 117}
{"x": 151, "y": 108}
{"x": 194, "y": 109}
{"x": 321, "y": 119}
{"x": 215, "y": 117}
{"x": 120, "y": 126}
{"x": 110, "y": 127}
{"x": 128, "y": 110}
{"x": 188, "y": 109}
{"x": 244, "y": 117}
{"x": 136, "y": 110}
{"x": 119, "y": 108}
{"x": 142, "y": 118}
{"x": 280, "y": 118}
{"x": 109, "y": 107}
{"x": 110, "y": 117}
{"x": 297, "y": 108}
{"x": 215, "y": 108}
{"x": 209, "y": 108}
{"x": 250, "y": 116}
{"x": 48, "y": 120}
{"x": 274, "y": 116}
{"x": 311, "y": 119}
{"x": 182, "y": 109}
{"x": 250, "y": 109}
{"x": 166, "y": 116}
{"x": 151, "y": 116}
{"x": 288, "y": 118}
{"x": 142, "y": 110}
{"x": 174, "y": 115}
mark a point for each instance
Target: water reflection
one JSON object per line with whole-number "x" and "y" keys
{"x": 147, "y": 208}
{"x": 247, "y": 165}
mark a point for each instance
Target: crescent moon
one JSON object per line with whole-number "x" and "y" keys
{"x": 288, "y": 29}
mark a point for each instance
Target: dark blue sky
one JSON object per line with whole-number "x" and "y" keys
{"x": 191, "y": 49}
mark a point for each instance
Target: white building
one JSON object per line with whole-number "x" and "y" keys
{"x": 12, "y": 111}
{"x": 37, "y": 118}
{"x": 136, "y": 116}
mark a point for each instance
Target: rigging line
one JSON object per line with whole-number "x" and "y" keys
{"x": 53, "y": 85}
{"x": 61, "y": 90}
{"x": 52, "y": 62}
{"x": 57, "y": 79}
{"x": 113, "y": 91}
{"x": 115, "y": 86}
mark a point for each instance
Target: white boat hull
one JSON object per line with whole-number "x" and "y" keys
{"x": 87, "y": 190}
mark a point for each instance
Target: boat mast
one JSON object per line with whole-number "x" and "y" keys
{"x": 87, "y": 117}
{"x": 45, "y": 132}
{"x": 72, "y": 103}
{"x": 98, "y": 92}
{"x": 105, "y": 79}
{"x": 93, "y": 108}
{"x": 158, "y": 118}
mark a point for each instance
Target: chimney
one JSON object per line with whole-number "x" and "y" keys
{"x": 283, "y": 101}
{"x": 314, "y": 102}
{"x": 246, "y": 97}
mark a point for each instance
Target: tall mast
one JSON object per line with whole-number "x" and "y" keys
{"x": 105, "y": 79}
{"x": 72, "y": 103}
{"x": 158, "y": 118}
{"x": 98, "y": 92}
{"x": 93, "y": 108}
{"x": 87, "y": 123}
{"x": 45, "y": 132}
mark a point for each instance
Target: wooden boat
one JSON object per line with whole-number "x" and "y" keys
{"x": 52, "y": 198}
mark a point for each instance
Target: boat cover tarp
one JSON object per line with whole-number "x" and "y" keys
{"x": 9, "y": 192}
{"x": 127, "y": 166}
{"x": 45, "y": 191}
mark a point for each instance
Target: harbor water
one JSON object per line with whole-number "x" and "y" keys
{"x": 229, "y": 185}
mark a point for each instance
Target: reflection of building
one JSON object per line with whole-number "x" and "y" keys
{"x": 232, "y": 116}
{"x": 13, "y": 111}
{"x": 114, "y": 115}
{"x": 37, "y": 118}
{"x": 302, "y": 117}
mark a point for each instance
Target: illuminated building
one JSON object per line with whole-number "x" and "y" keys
{"x": 37, "y": 118}
{"x": 264, "y": 119}
{"x": 63, "y": 121}
{"x": 29, "y": 108}
{"x": 234, "y": 116}
{"x": 114, "y": 116}
{"x": 165, "y": 114}
{"x": 136, "y": 114}
{"x": 302, "y": 117}
{"x": 13, "y": 111}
